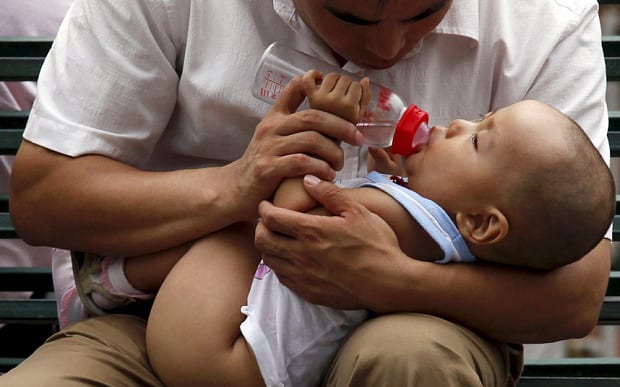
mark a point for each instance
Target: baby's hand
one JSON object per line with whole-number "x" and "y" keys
{"x": 383, "y": 161}
{"x": 337, "y": 94}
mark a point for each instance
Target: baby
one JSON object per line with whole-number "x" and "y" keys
{"x": 521, "y": 186}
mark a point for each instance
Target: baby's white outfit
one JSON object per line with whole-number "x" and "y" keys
{"x": 293, "y": 340}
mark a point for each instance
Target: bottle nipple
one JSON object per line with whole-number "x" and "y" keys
{"x": 412, "y": 132}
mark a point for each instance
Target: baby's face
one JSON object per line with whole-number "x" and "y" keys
{"x": 470, "y": 163}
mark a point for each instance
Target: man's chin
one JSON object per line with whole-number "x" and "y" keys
{"x": 380, "y": 65}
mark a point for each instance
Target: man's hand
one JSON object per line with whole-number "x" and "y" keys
{"x": 338, "y": 261}
{"x": 286, "y": 144}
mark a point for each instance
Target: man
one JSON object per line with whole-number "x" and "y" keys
{"x": 145, "y": 137}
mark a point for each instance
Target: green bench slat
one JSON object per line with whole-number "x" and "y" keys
{"x": 28, "y": 311}
{"x": 32, "y": 311}
{"x": 611, "y": 50}
{"x": 25, "y": 46}
{"x": 611, "y": 46}
{"x": 7, "y": 231}
{"x": 4, "y": 202}
{"x": 610, "y": 312}
{"x": 6, "y": 363}
{"x": 20, "y": 69}
{"x": 571, "y": 372}
{"x": 574, "y": 367}
{"x": 37, "y": 279}
{"x": 613, "y": 286}
{"x": 614, "y": 143}
{"x": 10, "y": 139}
{"x": 13, "y": 120}
{"x": 21, "y": 58}
{"x": 568, "y": 381}
{"x": 614, "y": 121}
{"x": 612, "y": 66}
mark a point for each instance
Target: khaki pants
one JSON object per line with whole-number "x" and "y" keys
{"x": 393, "y": 350}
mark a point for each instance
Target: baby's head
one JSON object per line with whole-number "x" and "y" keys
{"x": 524, "y": 185}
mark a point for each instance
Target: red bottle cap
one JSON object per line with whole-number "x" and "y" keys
{"x": 402, "y": 144}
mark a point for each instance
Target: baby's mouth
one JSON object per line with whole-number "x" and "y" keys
{"x": 418, "y": 148}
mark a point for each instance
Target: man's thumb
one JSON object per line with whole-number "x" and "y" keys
{"x": 327, "y": 193}
{"x": 291, "y": 97}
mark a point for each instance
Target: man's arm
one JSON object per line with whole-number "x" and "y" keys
{"x": 507, "y": 304}
{"x": 93, "y": 203}
{"x": 96, "y": 204}
{"x": 364, "y": 268}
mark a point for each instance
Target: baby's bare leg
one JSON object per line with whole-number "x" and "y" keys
{"x": 193, "y": 335}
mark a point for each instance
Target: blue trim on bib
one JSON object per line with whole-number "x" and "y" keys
{"x": 429, "y": 215}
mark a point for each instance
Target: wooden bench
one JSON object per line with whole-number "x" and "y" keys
{"x": 20, "y": 60}
{"x": 28, "y": 320}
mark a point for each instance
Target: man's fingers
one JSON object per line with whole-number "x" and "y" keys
{"x": 328, "y": 194}
{"x": 274, "y": 220}
{"x": 290, "y": 98}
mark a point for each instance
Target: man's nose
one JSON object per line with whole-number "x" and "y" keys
{"x": 387, "y": 42}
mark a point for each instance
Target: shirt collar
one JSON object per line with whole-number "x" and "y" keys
{"x": 286, "y": 10}
{"x": 462, "y": 19}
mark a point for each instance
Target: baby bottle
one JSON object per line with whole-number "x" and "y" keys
{"x": 387, "y": 120}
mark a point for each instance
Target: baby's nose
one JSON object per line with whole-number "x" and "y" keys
{"x": 456, "y": 127}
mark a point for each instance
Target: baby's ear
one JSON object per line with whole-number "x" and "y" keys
{"x": 487, "y": 226}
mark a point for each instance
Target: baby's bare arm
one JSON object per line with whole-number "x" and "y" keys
{"x": 292, "y": 195}
{"x": 407, "y": 230}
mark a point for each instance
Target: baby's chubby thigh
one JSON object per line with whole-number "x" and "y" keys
{"x": 193, "y": 334}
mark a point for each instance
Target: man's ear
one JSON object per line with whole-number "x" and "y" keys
{"x": 488, "y": 226}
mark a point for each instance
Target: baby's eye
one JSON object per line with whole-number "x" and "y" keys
{"x": 474, "y": 140}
